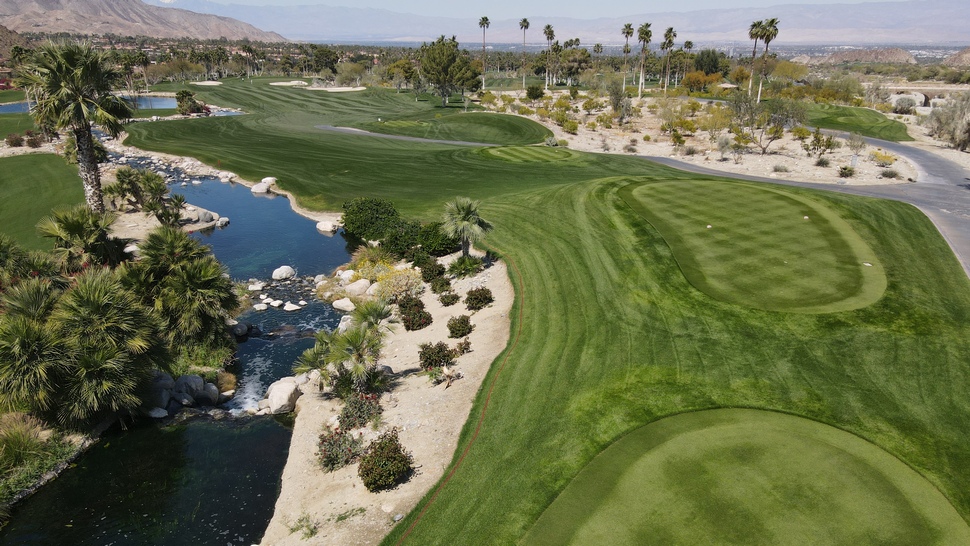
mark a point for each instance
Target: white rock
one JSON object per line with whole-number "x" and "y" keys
{"x": 256, "y": 286}
{"x": 264, "y": 297}
{"x": 262, "y": 187}
{"x": 283, "y": 272}
{"x": 302, "y": 302}
{"x": 327, "y": 226}
{"x": 319, "y": 279}
{"x": 196, "y": 182}
{"x": 346, "y": 276}
{"x": 344, "y": 304}
{"x": 345, "y": 322}
{"x": 268, "y": 180}
{"x": 291, "y": 307}
{"x": 372, "y": 291}
{"x": 132, "y": 249}
{"x": 282, "y": 395}
{"x": 222, "y": 222}
{"x": 276, "y": 303}
{"x": 260, "y": 307}
{"x": 358, "y": 288}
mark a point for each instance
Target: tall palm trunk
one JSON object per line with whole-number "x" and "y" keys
{"x": 88, "y": 168}
{"x": 753, "y": 53}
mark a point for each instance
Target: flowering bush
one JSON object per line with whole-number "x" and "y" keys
{"x": 338, "y": 448}
{"x": 360, "y": 410}
{"x": 478, "y": 298}
{"x": 385, "y": 463}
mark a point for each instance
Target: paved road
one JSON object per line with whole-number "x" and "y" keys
{"x": 942, "y": 191}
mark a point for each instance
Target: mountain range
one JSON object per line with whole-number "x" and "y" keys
{"x": 126, "y": 17}
{"x": 908, "y": 22}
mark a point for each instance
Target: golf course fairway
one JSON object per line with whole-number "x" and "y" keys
{"x": 740, "y": 476}
{"x": 761, "y": 246}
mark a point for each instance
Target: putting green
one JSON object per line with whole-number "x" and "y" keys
{"x": 741, "y": 476}
{"x": 761, "y": 246}
{"x": 528, "y": 154}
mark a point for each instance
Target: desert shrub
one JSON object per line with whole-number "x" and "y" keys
{"x": 398, "y": 283}
{"x": 534, "y": 92}
{"x": 551, "y": 142}
{"x": 690, "y": 150}
{"x": 846, "y": 172}
{"x": 630, "y": 148}
{"x": 20, "y": 440}
{"x": 435, "y": 355}
{"x": 646, "y": 138}
{"x": 889, "y": 173}
{"x": 338, "y": 448}
{"x": 413, "y": 315}
{"x": 822, "y": 162}
{"x": 419, "y": 258}
{"x": 905, "y": 105}
{"x": 14, "y": 140}
{"x": 542, "y": 112}
{"x": 385, "y": 462}
{"x": 440, "y": 285}
{"x": 435, "y": 242}
{"x": 562, "y": 143}
{"x": 372, "y": 270}
{"x": 34, "y": 141}
{"x": 432, "y": 271}
{"x": 526, "y": 111}
{"x": 478, "y": 298}
{"x": 591, "y": 125}
{"x": 367, "y": 253}
{"x": 462, "y": 347}
{"x": 882, "y": 159}
{"x": 465, "y": 266}
{"x": 369, "y": 218}
{"x": 800, "y": 133}
{"x": 400, "y": 237}
{"x": 459, "y": 326}
{"x": 780, "y": 169}
{"x": 359, "y": 410}
{"x": 605, "y": 120}
{"x": 225, "y": 381}
{"x": 570, "y": 126}
{"x": 448, "y": 299}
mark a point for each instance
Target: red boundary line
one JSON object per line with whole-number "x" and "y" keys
{"x": 481, "y": 418}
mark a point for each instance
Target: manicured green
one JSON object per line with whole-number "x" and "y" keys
{"x": 613, "y": 335}
{"x": 761, "y": 246}
{"x": 12, "y": 95}
{"x": 864, "y": 121}
{"x": 160, "y": 112}
{"x": 30, "y": 186}
{"x": 747, "y": 477}
{"x": 473, "y": 127}
{"x": 15, "y": 123}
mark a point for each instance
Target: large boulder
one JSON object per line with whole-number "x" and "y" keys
{"x": 206, "y": 216}
{"x": 283, "y": 272}
{"x": 264, "y": 185}
{"x": 240, "y": 329}
{"x": 289, "y": 306}
{"x": 344, "y": 304}
{"x": 209, "y": 396}
{"x": 282, "y": 396}
{"x": 327, "y": 227}
{"x": 374, "y": 288}
{"x": 345, "y": 322}
{"x": 346, "y": 276}
{"x": 358, "y": 288}
{"x": 189, "y": 384}
{"x": 158, "y": 413}
{"x": 161, "y": 390}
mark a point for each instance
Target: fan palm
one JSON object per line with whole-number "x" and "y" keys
{"x": 769, "y": 32}
{"x": 483, "y": 23}
{"x": 195, "y": 299}
{"x": 524, "y": 25}
{"x": 352, "y": 362}
{"x": 71, "y": 85}
{"x": 103, "y": 381}
{"x": 33, "y": 363}
{"x": 81, "y": 238}
{"x": 12, "y": 262}
{"x": 461, "y": 220}
{"x": 370, "y": 314}
{"x": 550, "y": 35}
{"x": 626, "y": 32}
{"x": 644, "y": 34}
{"x": 666, "y": 46}
{"x": 754, "y": 32}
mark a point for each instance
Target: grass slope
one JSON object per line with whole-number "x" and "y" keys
{"x": 15, "y": 123}
{"x": 30, "y": 186}
{"x": 613, "y": 336}
{"x": 857, "y": 120}
{"x": 763, "y": 477}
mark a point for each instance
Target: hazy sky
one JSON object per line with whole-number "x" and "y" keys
{"x": 516, "y": 9}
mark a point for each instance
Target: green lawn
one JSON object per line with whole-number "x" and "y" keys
{"x": 857, "y": 120}
{"x": 764, "y": 477}
{"x": 30, "y": 186}
{"x": 761, "y": 246}
{"x": 611, "y": 334}
{"x": 15, "y": 123}
{"x": 12, "y": 95}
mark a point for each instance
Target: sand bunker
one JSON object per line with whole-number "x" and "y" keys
{"x": 336, "y": 89}
{"x": 293, "y": 83}
{"x": 206, "y": 83}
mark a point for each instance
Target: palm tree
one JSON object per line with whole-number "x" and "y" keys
{"x": 666, "y": 46}
{"x": 644, "y": 34}
{"x": 12, "y": 262}
{"x": 483, "y": 23}
{"x": 72, "y": 88}
{"x": 461, "y": 220}
{"x": 81, "y": 238}
{"x": 754, "y": 32}
{"x": 768, "y": 33}
{"x": 524, "y": 25}
{"x": 195, "y": 300}
{"x": 550, "y": 35}
{"x": 688, "y": 46}
{"x": 371, "y": 314}
{"x": 627, "y": 32}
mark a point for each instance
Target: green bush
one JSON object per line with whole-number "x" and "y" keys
{"x": 822, "y": 162}
{"x": 435, "y": 355}
{"x": 459, "y": 326}
{"x": 185, "y": 103}
{"x": 465, "y": 266}
{"x": 534, "y": 92}
{"x": 570, "y": 126}
{"x": 369, "y": 218}
{"x": 359, "y": 410}
{"x": 846, "y": 172}
{"x": 419, "y": 257}
{"x": 34, "y": 141}
{"x": 20, "y": 440}
{"x": 448, "y": 299}
{"x": 385, "y": 463}
{"x": 478, "y": 298}
{"x": 889, "y": 173}
{"x": 432, "y": 271}
{"x": 413, "y": 315}
{"x": 434, "y": 241}
{"x": 440, "y": 285}
{"x": 401, "y": 237}
{"x": 338, "y": 448}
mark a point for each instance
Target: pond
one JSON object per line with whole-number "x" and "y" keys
{"x": 204, "y": 482}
